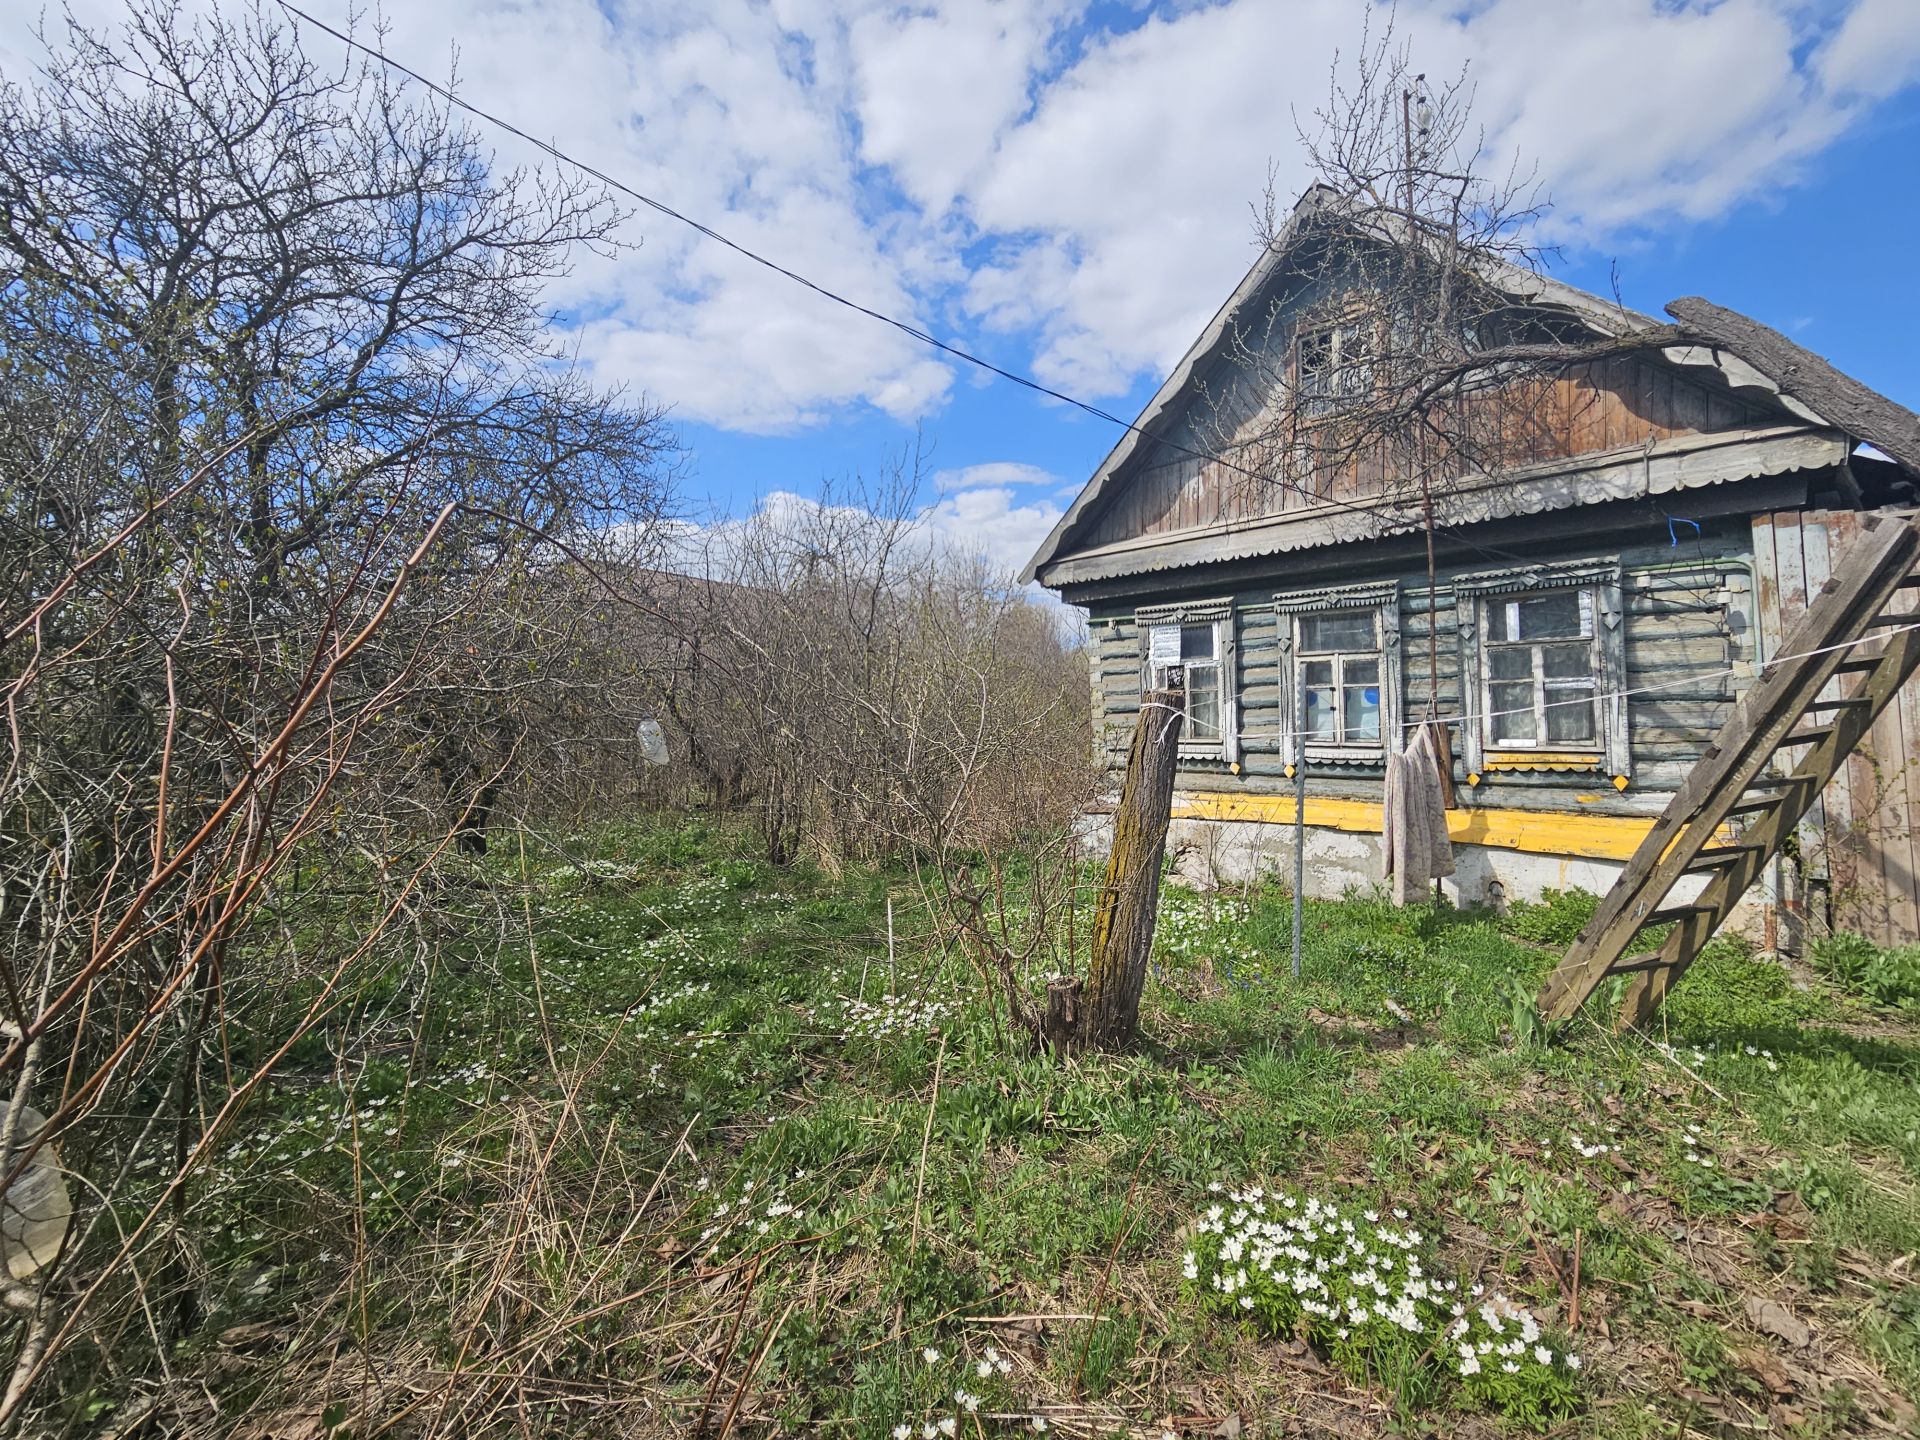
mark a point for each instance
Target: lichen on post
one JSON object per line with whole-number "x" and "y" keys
{"x": 1108, "y": 1012}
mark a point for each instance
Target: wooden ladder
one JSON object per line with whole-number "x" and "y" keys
{"x": 1736, "y": 808}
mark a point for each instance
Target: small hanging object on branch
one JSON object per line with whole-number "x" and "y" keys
{"x": 653, "y": 743}
{"x": 36, "y": 1209}
{"x": 1413, "y": 818}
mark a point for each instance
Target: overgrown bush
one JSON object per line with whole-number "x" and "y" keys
{"x": 1844, "y": 959}
{"x": 1554, "y": 919}
{"x": 1856, "y": 964}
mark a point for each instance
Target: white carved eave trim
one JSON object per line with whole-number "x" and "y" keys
{"x": 1682, "y": 463}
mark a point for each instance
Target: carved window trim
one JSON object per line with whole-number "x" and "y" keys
{"x": 1611, "y": 751}
{"x": 1382, "y": 600}
{"x": 1220, "y": 614}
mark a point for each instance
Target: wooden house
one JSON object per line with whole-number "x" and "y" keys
{"x": 1599, "y": 599}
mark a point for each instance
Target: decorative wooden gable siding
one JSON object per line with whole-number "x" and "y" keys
{"x": 1860, "y": 840}
{"x": 1621, "y": 404}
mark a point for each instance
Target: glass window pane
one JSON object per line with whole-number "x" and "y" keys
{"x": 1567, "y": 662}
{"x": 1569, "y": 723}
{"x": 1341, "y": 630}
{"x": 1554, "y": 613}
{"x": 1315, "y": 362}
{"x": 1361, "y": 672}
{"x": 1196, "y": 643}
{"x": 1317, "y": 672}
{"x": 1361, "y": 714}
{"x": 1320, "y": 718}
{"x": 1513, "y": 663}
{"x": 1500, "y": 621}
{"x": 1355, "y": 344}
{"x": 1510, "y": 712}
{"x": 1203, "y": 702}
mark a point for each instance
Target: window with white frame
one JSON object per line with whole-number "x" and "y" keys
{"x": 1544, "y": 652}
{"x": 1198, "y": 639}
{"x": 1543, "y": 670}
{"x": 1339, "y": 670}
{"x": 1333, "y": 366}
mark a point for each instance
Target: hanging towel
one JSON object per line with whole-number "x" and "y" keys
{"x": 1414, "y": 820}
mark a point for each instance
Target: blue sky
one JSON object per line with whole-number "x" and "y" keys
{"x": 1823, "y": 251}
{"x": 1063, "y": 186}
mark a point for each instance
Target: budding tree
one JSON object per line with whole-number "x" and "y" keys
{"x": 1415, "y": 348}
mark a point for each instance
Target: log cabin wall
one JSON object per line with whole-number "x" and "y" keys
{"x": 1688, "y": 643}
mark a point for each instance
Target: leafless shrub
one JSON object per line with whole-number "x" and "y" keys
{"x": 871, "y": 695}
{"x": 294, "y": 509}
{"x": 1417, "y": 347}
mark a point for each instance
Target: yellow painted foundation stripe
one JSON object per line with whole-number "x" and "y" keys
{"x": 1597, "y": 837}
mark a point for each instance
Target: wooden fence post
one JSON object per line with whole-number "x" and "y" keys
{"x": 1108, "y": 1013}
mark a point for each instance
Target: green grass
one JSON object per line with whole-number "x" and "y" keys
{"x": 599, "y": 1124}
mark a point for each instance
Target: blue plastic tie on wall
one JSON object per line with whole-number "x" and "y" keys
{"x": 1673, "y": 535}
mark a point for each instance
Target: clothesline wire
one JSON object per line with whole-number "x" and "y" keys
{"x": 1671, "y": 684}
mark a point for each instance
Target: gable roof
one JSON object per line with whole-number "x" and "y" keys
{"x": 1749, "y": 359}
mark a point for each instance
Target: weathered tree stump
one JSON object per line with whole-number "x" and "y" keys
{"x": 1109, "y": 1007}
{"x": 1060, "y": 1024}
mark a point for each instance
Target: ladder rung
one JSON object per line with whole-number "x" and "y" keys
{"x": 1749, "y": 807}
{"x": 1634, "y": 964}
{"x": 1856, "y": 667}
{"x": 1910, "y": 583}
{"x": 1724, "y": 854}
{"x": 1778, "y": 782}
{"x": 1850, "y": 702}
{"x": 1809, "y": 737}
{"x": 1678, "y": 912}
{"x": 1907, "y": 618}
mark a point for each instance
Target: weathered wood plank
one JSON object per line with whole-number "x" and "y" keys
{"x": 1763, "y": 718}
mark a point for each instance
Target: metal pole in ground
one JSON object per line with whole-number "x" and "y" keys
{"x": 1299, "y": 819}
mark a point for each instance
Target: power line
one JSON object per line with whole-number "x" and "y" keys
{"x": 912, "y": 331}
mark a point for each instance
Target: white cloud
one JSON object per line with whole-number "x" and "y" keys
{"x": 991, "y": 473}
{"x": 1125, "y": 193}
{"x": 736, "y": 113}
{"x": 993, "y": 166}
{"x": 993, "y": 521}
{"x": 982, "y": 515}
{"x": 1875, "y": 52}
{"x": 936, "y": 86}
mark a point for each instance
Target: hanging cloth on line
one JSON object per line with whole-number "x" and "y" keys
{"x": 1413, "y": 827}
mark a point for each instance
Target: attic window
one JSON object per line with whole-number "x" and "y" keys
{"x": 1333, "y": 366}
